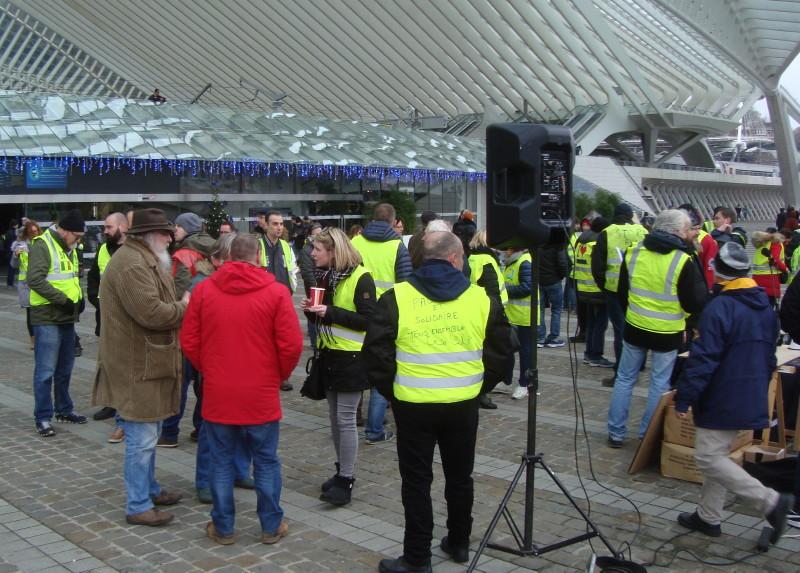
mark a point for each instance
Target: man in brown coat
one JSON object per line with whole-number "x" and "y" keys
{"x": 139, "y": 362}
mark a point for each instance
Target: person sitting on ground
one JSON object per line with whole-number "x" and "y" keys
{"x": 156, "y": 97}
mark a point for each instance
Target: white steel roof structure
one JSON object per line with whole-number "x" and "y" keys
{"x": 675, "y": 70}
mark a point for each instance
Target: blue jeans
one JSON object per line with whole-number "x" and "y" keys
{"x": 140, "y": 464}
{"x": 629, "y": 365}
{"x": 553, "y": 295}
{"x": 54, "y": 356}
{"x": 261, "y": 442}
{"x": 616, "y": 314}
{"x": 524, "y": 336}
{"x": 171, "y": 426}
{"x": 377, "y": 411}
{"x": 596, "y": 324}
{"x": 570, "y": 294}
{"x": 241, "y": 460}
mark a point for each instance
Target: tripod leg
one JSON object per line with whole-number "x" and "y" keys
{"x": 501, "y": 511}
{"x": 574, "y": 503}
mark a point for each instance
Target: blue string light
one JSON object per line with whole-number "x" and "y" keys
{"x": 249, "y": 167}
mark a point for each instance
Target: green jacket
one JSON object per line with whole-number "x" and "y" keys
{"x": 38, "y": 267}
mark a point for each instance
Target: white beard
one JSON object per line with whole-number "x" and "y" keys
{"x": 164, "y": 261}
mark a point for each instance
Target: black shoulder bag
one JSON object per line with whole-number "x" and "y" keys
{"x": 313, "y": 386}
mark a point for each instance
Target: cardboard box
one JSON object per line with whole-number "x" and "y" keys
{"x": 678, "y": 462}
{"x": 680, "y": 431}
{"x": 757, "y": 453}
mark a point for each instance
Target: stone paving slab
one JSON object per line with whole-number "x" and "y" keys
{"x": 62, "y": 500}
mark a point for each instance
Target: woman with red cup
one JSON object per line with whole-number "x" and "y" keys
{"x": 347, "y": 305}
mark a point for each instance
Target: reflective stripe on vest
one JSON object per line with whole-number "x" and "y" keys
{"x": 653, "y": 303}
{"x": 379, "y": 259}
{"x": 618, "y": 239}
{"x": 795, "y": 261}
{"x": 439, "y": 345}
{"x": 582, "y": 268}
{"x": 761, "y": 262}
{"x": 23, "y": 266}
{"x": 288, "y": 259}
{"x": 63, "y": 275}
{"x": 518, "y": 309}
{"x": 476, "y": 264}
{"x": 103, "y": 256}
{"x": 343, "y": 338}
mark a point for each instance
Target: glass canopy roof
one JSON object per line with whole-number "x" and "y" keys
{"x": 68, "y": 126}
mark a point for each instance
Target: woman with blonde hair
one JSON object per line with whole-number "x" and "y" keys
{"x": 347, "y": 307}
{"x": 19, "y": 260}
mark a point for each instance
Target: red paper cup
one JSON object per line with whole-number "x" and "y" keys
{"x": 316, "y": 296}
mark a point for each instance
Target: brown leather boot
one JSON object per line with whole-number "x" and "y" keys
{"x": 152, "y": 517}
{"x": 167, "y": 497}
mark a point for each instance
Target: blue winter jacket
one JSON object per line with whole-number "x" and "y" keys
{"x": 727, "y": 374}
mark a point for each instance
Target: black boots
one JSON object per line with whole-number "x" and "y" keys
{"x": 328, "y": 484}
{"x": 340, "y": 491}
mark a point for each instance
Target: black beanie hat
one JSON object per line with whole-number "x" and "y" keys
{"x": 72, "y": 221}
{"x": 623, "y": 209}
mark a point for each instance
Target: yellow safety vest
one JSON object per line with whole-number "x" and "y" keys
{"x": 701, "y": 235}
{"x": 761, "y": 262}
{"x": 23, "y": 266}
{"x": 708, "y": 226}
{"x": 103, "y": 256}
{"x": 653, "y": 303}
{"x": 379, "y": 258}
{"x": 343, "y": 338}
{"x": 518, "y": 310}
{"x": 582, "y": 268}
{"x": 439, "y": 346}
{"x": 619, "y": 238}
{"x": 288, "y": 258}
{"x": 63, "y": 275}
{"x": 476, "y": 264}
{"x": 795, "y": 262}
{"x": 571, "y": 244}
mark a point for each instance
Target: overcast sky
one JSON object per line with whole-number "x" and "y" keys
{"x": 791, "y": 81}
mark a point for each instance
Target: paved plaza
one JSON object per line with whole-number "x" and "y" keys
{"x": 62, "y": 499}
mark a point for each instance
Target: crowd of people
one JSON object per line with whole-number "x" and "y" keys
{"x": 429, "y": 329}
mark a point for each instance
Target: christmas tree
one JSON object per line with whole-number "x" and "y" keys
{"x": 216, "y": 216}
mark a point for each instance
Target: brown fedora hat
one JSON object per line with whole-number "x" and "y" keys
{"x": 146, "y": 220}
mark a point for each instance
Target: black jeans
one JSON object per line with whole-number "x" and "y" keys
{"x": 419, "y": 428}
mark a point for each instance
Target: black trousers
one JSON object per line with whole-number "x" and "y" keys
{"x": 419, "y": 428}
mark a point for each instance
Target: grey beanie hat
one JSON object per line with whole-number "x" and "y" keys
{"x": 731, "y": 262}
{"x": 190, "y": 223}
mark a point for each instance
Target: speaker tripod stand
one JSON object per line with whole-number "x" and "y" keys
{"x": 525, "y": 545}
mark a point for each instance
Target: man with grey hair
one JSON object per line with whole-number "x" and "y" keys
{"x": 435, "y": 345}
{"x": 660, "y": 284}
{"x": 138, "y": 363}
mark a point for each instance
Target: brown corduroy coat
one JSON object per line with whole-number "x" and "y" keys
{"x": 139, "y": 361}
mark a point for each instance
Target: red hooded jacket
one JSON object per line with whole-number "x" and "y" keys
{"x": 241, "y": 331}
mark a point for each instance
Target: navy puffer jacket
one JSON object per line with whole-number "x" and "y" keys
{"x": 727, "y": 375}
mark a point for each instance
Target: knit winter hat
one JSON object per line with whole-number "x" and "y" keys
{"x": 731, "y": 262}
{"x": 190, "y": 223}
{"x": 623, "y": 209}
{"x": 72, "y": 221}
{"x": 427, "y": 217}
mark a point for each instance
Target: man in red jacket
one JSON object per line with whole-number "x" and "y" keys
{"x": 241, "y": 331}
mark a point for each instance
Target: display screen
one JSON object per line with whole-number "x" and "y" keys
{"x": 39, "y": 176}
{"x": 555, "y": 186}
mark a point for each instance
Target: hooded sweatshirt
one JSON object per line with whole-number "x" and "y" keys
{"x": 727, "y": 374}
{"x": 438, "y": 281}
{"x": 380, "y": 232}
{"x": 692, "y": 292}
{"x": 241, "y": 331}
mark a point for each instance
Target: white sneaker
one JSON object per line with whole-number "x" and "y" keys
{"x": 794, "y": 345}
{"x": 520, "y": 393}
{"x": 793, "y": 519}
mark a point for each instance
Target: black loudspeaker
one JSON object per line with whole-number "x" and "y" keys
{"x": 528, "y": 184}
